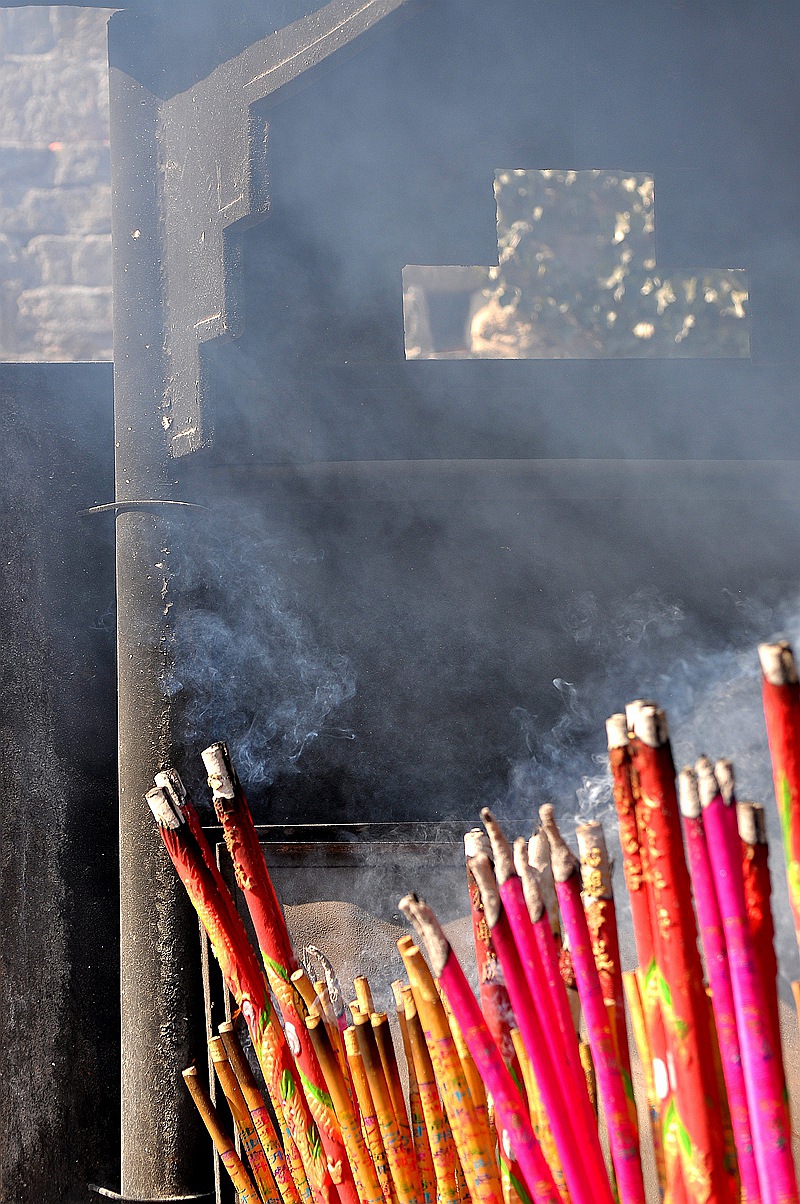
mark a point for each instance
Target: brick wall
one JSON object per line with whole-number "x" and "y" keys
{"x": 55, "y": 200}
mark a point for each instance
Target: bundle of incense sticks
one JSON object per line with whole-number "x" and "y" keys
{"x": 495, "y": 1099}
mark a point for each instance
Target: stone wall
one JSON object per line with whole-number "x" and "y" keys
{"x": 55, "y": 197}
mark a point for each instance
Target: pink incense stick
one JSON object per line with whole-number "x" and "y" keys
{"x": 719, "y": 978}
{"x": 509, "y": 1107}
{"x": 543, "y": 989}
{"x": 557, "y": 1094}
{"x": 622, "y": 1135}
{"x": 762, "y": 1076}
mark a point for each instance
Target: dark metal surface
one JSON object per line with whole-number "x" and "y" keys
{"x": 58, "y": 866}
{"x": 160, "y": 1008}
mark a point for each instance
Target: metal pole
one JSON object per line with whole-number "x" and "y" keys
{"x": 163, "y": 1154}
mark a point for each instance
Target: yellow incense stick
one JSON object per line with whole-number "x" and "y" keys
{"x": 363, "y": 1169}
{"x": 630, "y": 982}
{"x": 397, "y": 1144}
{"x": 440, "y": 1137}
{"x": 223, "y": 1144}
{"x": 286, "y": 1167}
{"x": 250, "y": 1141}
{"x": 471, "y": 1134}
{"x": 364, "y": 995}
{"x": 369, "y": 1121}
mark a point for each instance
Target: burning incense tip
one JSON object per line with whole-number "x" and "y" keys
{"x": 632, "y": 710}
{"x": 530, "y": 879}
{"x": 723, "y": 772}
{"x": 476, "y": 841}
{"x": 649, "y": 724}
{"x": 418, "y": 913}
{"x": 166, "y": 815}
{"x": 539, "y": 858}
{"x": 503, "y": 857}
{"x": 595, "y": 862}
{"x": 617, "y": 731}
{"x": 219, "y": 770}
{"x": 707, "y": 784}
{"x": 562, "y": 859}
{"x": 539, "y": 851}
{"x": 777, "y": 663}
{"x": 688, "y": 793}
{"x": 752, "y": 824}
{"x": 169, "y": 780}
{"x": 483, "y": 874}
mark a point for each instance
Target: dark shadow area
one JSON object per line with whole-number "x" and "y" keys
{"x": 59, "y": 1095}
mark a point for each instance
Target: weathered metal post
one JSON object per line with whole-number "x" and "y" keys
{"x": 161, "y": 1003}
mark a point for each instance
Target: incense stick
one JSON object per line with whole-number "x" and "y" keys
{"x": 601, "y": 917}
{"x": 524, "y": 901}
{"x": 719, "y": 976}
{"x": 539, "y": 859}
{"x": 244, "y": 979}
{"x": 243, "y": 1121}
{"x": 474, "y": 1147}
{"x": 280, "y": 962}
{"x": 262, "y": 1121}
{"x": 369, "y": 1187}
{"x": 559, "y": 1091}
{"x": 763, "y": 1080}
{"x": 396, "y": 1143}
{"x": 369, "y": 1121}
{"x": 757, "y": 893}
{"x": 416, "y": 1116}
{"x": 506, "y": 1096}
{"x": 440, "y": 1137}
{"x": 634, "y": 868}
{"x": 697, "y": 1105}
{"x": 620, "y": 1112}
{"x": 223, "y": 1144}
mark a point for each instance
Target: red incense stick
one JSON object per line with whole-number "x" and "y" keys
{"x": 519, "y": 890}
{"x": 495, "y": 1003}
{"x": 494, "y": 999}
{"x": 539, "y": 859}
{"x": 697, "y": 1105}
{"x": 244, "y": 979}
{"x": 601, "y": 917}
{"x": 757, "y": 893}
{"x": 556, "y": 1083}
{"x": 508, "y": 1102}
{"x": 253, "y": 879}
{"x": 781, "y": 695}
{"x": 762, "y": 1072}
{"x": 625, "y": 791}
{"x": 719, "y": 977}
{"x": 619, "y": 1108}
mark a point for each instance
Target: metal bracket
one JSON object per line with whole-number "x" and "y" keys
{"x": 148, "y": 504}
{"x": 113, "y": 1195}
{"x": 212, "y": 145}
